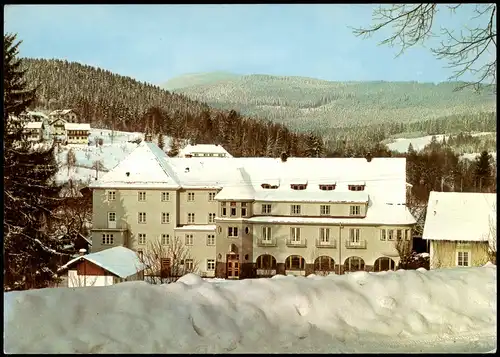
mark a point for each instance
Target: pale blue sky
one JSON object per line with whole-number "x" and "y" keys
{"x": 154, "y": 43}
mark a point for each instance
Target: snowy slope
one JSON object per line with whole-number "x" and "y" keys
{"x": 113, "y": 150}
{"x": 401, "y": 144}
{"x": 448, "y": 310}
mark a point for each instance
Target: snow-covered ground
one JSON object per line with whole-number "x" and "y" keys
{"x": 401, "y": 144}
{"x": 472, "y": 156}
{"x": 113, "y": 150}
{"x": 448, "y": 310}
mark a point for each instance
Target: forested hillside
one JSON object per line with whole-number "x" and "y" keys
{"x": 111, "y": 101}
{"x": 307, "y": 103}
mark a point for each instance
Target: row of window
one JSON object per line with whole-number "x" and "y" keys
{"x": 165, "y": 196}
{"x": 165, "y": 217}
{"x": 108, "y": 239}
{"x": 324, "y": 210}
{"x": 395, "y": 234}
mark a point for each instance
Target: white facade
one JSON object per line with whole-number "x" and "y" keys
{"x": 204, "y": 150}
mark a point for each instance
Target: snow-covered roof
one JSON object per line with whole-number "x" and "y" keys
{"x": 198, "y": 227}
{"x": 61, "y": 111}
{"x": 37, "y": 114}
{"x": 121, "y": 261}
{"x": 241, "y": 178}
{"x": 77, "y": 126}
{"x": 460, "y": 216}
{"x": 145, "y": 167}
{"x": 203, "y": 149}
{"x": 33, "y": 125}
{"x": 379, "y": 214}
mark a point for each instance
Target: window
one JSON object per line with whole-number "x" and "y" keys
{"x": 211, "y": 196}
{"x": 408, "y": 234}
{"x": 324, "y": 210}
{"x": 190, "y": 196}
{"x": 354, "y": 210}
{"x": 298, "y": 186}
{"x": 211, "y": 239}
{"x": 233, "y": 204}
{"x": 324, "y": 235}
{"x": 189, "y": 239}
{"x": 165, "y": 239}
{"x": 295, "y": 209}
{"x": 210, "y": 264}
{"x": 383, "y": 234}
{"x": 165, "y": 196}
{"x": 399, "y": 233}
{"x": 354, "y": 235}
{"x": 327, "y": 187}
{"x": 356, "y": 187}
{"x": 266, "y": 233}
{"x": 233, "y": 211}
{"x": 165, "y": 217}
{"x": 295, "y": 234}
{"x": 142, "y": 217}
{"x": 390, "y": 234}
{"x": 211, "y": 217}
{"x": 107, "y": 239}
{"x": 232, "y": 231}
{"x": 294, "y": 262}
{"x": 266, "y": 209}
{"x": 247, "y": 230}
{"x": 224, "y": 211}
{"x": 463, "y": 259}
{"x": 111, "y": 217}
{"x": 190, "y": 217}
{"x": 141, "y": 196}
{"x": 243, "y": 211}
{"x": 111, "y": 195}
{"x": 142, "y": 238}
{"x": 188, "y": 264}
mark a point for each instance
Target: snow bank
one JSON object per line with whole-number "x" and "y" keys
{"x": 449, "y": 310}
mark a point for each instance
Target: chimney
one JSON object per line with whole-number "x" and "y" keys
{"x": 284, "y": 156}
{"x": 82, "y": 251}
{"x": 148, "y": 138}
{"x": 368, "y": 156}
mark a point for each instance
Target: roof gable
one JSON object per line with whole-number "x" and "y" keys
{"x": 463, "y": 216}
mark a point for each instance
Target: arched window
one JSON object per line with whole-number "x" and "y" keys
{"x": 295, "y": 262}
{"x": 266, "y": 261}
{"x": 324, "y": 264}
{"x": 354, "y": 264}
{"x": 384, "y": 264}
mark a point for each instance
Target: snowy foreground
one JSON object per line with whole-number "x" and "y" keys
{"x": 449, "y": 310}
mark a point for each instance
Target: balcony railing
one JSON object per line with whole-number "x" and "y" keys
{"x": 332, "y": 243}
{"x": 298, "y": 244}
{"x": 267, "y": 242}
{"x": 356, "y": 245}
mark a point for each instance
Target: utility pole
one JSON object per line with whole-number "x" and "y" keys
{"x": 340, "y": 245}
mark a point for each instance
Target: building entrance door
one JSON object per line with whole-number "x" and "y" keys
{"x": 232, "y": 266}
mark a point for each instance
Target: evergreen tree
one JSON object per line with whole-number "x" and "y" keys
{"x": 483, "y": 170}
{"x": 161, "y": 141}
{"x": 29, "y": 197}
{"x": 314, "y": 145}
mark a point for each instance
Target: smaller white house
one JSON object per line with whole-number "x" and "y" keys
{"x": 204, "y": 150}
{"x": 69, "y": 115}
{"x": 461, "y": 228}
{"x": 77, "y": 133}
{"x": 33, "y": 131}
{"x": 104, "y": 268}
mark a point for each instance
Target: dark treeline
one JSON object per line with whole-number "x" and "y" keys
{"x": 111, "y": 101}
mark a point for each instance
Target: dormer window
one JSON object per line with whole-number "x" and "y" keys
{"x": 327, "y": 187}
{"x": 356, "y": 187}
{"x": 267, "y": 186}
{"x": 294, "y": 186}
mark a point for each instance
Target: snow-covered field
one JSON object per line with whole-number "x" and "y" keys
{"x": 401, "y": 144}
{"x": 113, "y": 150}
{"x": 448, "y": 310}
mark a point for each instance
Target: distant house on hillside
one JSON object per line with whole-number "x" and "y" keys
{"x": 104, "y": 268}
{"x": 33, "y": 131}
{"x": 204, "y": 150}
{"x": 68, "y": 115}
{"x": 77, "y": 133}
{"x": 460, "y": 226}
{"x": 57, "y": 128}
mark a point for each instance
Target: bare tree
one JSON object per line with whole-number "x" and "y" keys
{"x": 473, "y": 50}
{"x": 492, "y": 239}
{"x": 97, "y": 165}
{"x": 78, "y": 281}
{"x": 166, "y": 263}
